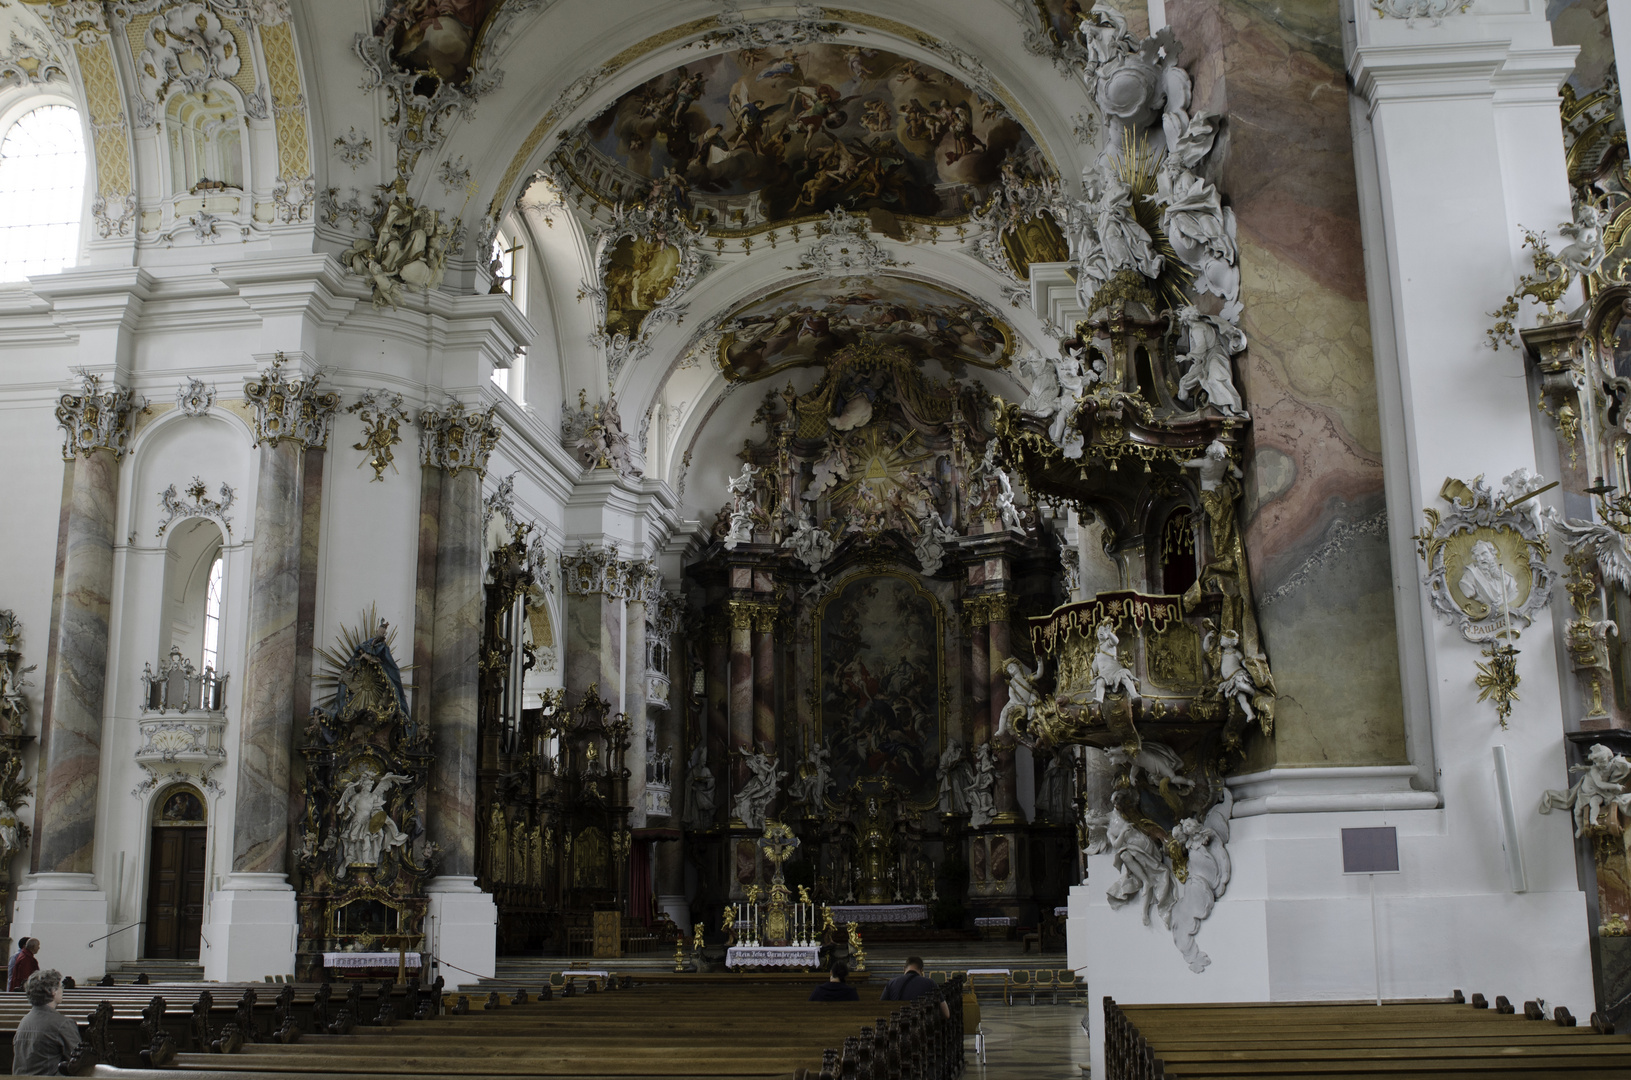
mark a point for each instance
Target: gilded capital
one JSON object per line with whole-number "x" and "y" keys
{"x": 976, "y": 612}
{"x": 742, "y": 614}
{"x": 290, "y": 408}
{"x": 453, "y": 439}
{"x": 97, "y": 418}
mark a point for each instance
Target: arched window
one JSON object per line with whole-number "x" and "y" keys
{"x": 212, "y": 615}
{"x": 509, "y": 269}
{"x": 42, "y": 179}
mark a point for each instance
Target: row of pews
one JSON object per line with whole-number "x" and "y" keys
{"x": 743, "y": 1028}
{"x": 1414, "y": 1040}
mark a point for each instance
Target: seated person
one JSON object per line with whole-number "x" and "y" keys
{"x": 912, "y": 984}
{"x": 835, "y": 988}
{"x": 45, "y": 1039}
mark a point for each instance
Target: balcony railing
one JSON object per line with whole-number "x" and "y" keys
{"x": 178, "y": 687}
{"x": 184, "y": 713}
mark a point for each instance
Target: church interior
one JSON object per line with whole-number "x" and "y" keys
{"x": 533, "y": 529}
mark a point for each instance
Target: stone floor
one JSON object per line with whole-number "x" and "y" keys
{"x": 1047, "y": 1042}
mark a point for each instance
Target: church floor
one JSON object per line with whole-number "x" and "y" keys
{"x": 1025, "y": 1043}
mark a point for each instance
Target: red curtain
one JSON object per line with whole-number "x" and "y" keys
{"x": 640, "y": 882}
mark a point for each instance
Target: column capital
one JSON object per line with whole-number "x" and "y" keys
{"x": 290, "y": 408}
{"x": 455, "y": 439}
{"x": 98, "y": 417}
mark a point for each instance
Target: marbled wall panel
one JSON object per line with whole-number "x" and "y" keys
{"x": 260, "y": 835}
{"x": 454, "y": 672}
{"x": 1315, "y": 531}
{"x": 73, "y": 755}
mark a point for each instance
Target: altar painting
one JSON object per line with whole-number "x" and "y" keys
{"x": 881, "y": 661}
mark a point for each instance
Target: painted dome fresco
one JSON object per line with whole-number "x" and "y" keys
{"x": 757, "y": 137}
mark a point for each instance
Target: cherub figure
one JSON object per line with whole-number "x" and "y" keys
{"x": 1234, "y": 680}
{"x": 1023, "y": 695}
{"x": 1603, "y": 784}
{"x": 1109, "y": 673}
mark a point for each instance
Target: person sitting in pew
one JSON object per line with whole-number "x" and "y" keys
{"x": 835, "y": 988}
{"x": 912, "y": 984}
{"x": 24, "y": 963}
{"x": 45, "y": 1039}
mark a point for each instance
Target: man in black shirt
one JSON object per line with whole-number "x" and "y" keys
{"x": 835, "y": 988}
{"x": 912, "y": 984}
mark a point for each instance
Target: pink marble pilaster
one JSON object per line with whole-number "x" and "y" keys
{"x": 454, "y": 672}
{"x": 72, "y": 754}
{"x": 265, "y": 746}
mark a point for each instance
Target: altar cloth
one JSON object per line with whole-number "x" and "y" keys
{"x": 880, "y": 913}
{"x": 368, "y": 959}
{"x": 801, "y": 956}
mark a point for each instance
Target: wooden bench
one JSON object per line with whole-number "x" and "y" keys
{"x": 1410, "y": 1040}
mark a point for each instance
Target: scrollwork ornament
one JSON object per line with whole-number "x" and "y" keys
{"x": 175, "y": 509}
{"x": 290, "y": 408}
{"x": 1411, "y": 10}
{"x": 195, "y": 397}
{"x": 1486, "y": 558}
{"x": 96, "y": 418}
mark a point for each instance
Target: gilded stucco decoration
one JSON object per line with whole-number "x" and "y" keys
{"x": 198, "y": 504}
{"x": 295, "y": 192}
{"x": 31, "y": 60}
{"x": 290, "y": 408}
{"x": 185, "y": 47}
{"x": 382, "y": 417}
{"x": 97, "y": 417}
{"x": 645, "y": 260}
{"x": 454, "y": 438}
{"x": 1486, "y": 558}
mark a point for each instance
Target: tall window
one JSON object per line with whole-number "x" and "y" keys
{"x": 212, "y": 615}
{"x": 42, "y": 178}
{"x": 508, "y": 266}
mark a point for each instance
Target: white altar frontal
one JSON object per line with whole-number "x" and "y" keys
{"x": 880, "y": 913}
{"x": 773, "y": 956}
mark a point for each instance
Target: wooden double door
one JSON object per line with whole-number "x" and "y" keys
{"x": 175, "y": 892}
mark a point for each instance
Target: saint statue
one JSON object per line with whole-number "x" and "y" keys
{"x": 1109, "y": 673}
{"x": 367, "y": 831}
{"x": 956, "y": 775}
{"x": 760, "y": 790}
{"x": 699, "y": 805}
{"x": 982, "y": 794}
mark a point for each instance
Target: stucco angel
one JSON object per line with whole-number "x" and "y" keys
{"x": 1604, "y": 782}
{"x": 1140, "y": 859}
{"x": 367, "y": 831}
{"x": 1022, "y": 696}
{"x": 1238, "y": 674}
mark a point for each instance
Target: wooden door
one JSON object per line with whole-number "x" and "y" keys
{"x": 175, "y": 893}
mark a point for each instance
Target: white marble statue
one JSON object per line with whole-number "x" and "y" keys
{"x": 1070, "y": 564}
{"x": 1520, "y": 483}
{"x": 1005, "y": 489}
{"x": 700, "y": 799}
{"x": 1213, "y": 467}
{"x": 1056, "y": 796}
{"x": 1109, "y": 673}
{"x": 1201, "y": 230}
{"x": 1044, "y": 393}
{"x": 1206, "y": 880}
{"x": 956, "y": 775}
{"x": 1022, "y": 695}
{"x": 932, "y": 538}
{"x": 1096, "y": 828}
{"x": 810, "y": 788}
{"x": 1234, "y": 679}
{"x": 1605, "y": 781}
{"x": 1140, "y": 859}
{"x": 1212, "y": 342}
{"x": 763, "y": 783}
{"x": 1126, "y": 244}
{"x": 1584, "y": 252}
{"x": 741, "y": 529}
{"x": 366, "y": 830}
{"x": 809, "y": 543}
{"x": 409, "y": 248}
{"x": 741, "y": 486}
{"x": 982, "y": 794}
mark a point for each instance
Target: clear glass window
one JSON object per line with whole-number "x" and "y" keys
{"x": 42, "y": 180}
{"x": 212, "y": 616}
{"x": 508, "y": 266}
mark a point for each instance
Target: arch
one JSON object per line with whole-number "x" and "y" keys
{"x": 177, "y": 805}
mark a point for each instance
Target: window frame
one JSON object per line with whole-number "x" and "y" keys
{"x": 17, "y": 102}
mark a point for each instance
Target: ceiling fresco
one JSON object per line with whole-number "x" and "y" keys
{"x": 806, "y": 323}
{"x": 755, "y": 138}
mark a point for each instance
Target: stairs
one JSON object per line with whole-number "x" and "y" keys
{"x": 159, "y": 971}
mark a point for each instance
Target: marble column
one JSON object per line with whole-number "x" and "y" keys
{"x": 72, "y": 754}
{"x": 716, "y": 728}
{"x": 764, "y": 678}
{"x": 260, "y": 835}
{"x": 741, "y": 690}
{"x": 979, "y": 668}
{"x": 998, "y": 653}
{"x": 634, "y": 698}
{"x": 454, "y": 672}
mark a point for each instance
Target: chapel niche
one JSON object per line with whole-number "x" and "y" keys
{"x": 204, "y": 130}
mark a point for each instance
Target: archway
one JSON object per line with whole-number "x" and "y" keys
{"x": 177, "y": 874}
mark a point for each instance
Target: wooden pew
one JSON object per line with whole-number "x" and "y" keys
{"x": 1399, "y": 1040}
